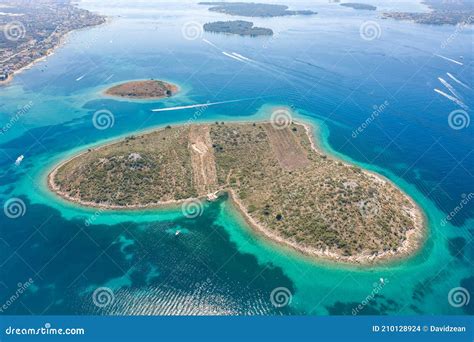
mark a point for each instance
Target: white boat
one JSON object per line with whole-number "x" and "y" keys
{"x": 213, "y": 196}
{"x": 19, "y": 160}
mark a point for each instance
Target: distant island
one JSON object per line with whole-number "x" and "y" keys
{"x": 287, "y": 190}
{"x": 442, "y": 13}
{"x": 251, "y": 9}
{"x": 359, "y": 6}
{"x": 40, "y": 29}
{"x": 145, "y": 89}
{"x": 240, "y": 27}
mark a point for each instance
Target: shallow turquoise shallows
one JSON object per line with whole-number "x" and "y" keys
{"x": 319, "y": 66}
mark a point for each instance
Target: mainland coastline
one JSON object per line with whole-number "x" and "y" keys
{"x": 413, "y": 238}
{"x": 28, "y": 42}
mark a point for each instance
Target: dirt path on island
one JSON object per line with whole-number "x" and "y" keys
{"x": 202, "y": 159}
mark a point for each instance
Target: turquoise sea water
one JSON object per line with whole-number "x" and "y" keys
{"x": 320, "y": 67}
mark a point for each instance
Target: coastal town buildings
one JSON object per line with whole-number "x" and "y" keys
{"x": 30, "y": 30}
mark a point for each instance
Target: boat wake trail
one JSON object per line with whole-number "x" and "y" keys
{"x": 450, "y": 88}
{"x": 199, "y": 105}
{"x": 108, "y": 78}
{"x": 283, "y": 73}
{"x": 210, "y": 43}
{"x": 452, "y": 98}
{"x": 458, "y": 81}
{"x": 232, "y": 56}
{"x": 242, "y": 57}
{"x": 449, "y": 59}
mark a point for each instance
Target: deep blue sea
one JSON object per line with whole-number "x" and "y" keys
{"x": 323, "y": 67}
